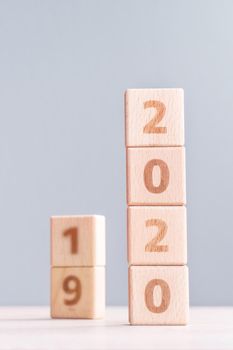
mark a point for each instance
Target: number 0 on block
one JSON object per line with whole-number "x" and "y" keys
{"x": 156, "y": 176}
{"x": 158, "y": 295}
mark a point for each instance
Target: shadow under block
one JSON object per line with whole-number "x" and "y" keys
{"x": 78, "y": 240}
{"x": 156, "y": 176}
{"x": 157, "y": 235}
{"x": 154, "y": 117}
{"x": 77, "y": 292}
{"x": 158, "y": 295}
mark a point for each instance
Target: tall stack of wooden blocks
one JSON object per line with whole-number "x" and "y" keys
{"x": 156, "y": 195}
{"x": 77, "y": 266}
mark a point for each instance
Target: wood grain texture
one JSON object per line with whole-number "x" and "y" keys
{"x": 157, "y": 235}
{"x": 158, "y": 295}
{"x": 77, "y": 292}
{"x": 154, "y": 117}
{"x": 78, "y": 240}
{"x": 156, "y": 176}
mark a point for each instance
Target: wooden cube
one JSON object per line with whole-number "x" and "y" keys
{"x": 77, "y": 292}
{"x": 156, "y": 176}
{"x": 158, "y": 295}
{"x": 157, "y": 235}
{"x": 154, "y": 117}
{"x": 78, "y": 240}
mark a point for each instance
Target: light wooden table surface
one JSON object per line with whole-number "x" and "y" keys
{"x": 31, "y": 328}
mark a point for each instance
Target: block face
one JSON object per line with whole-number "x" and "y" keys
{"x": 77, "y": 292}
{"x": 154, "y": 117}
{"x": 157, "y": 235}
{"x": 158, "y": 295}
{"x": 78, "y": 240}
{"x": 156, "y": 176}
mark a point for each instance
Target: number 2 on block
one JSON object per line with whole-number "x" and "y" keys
{"x": 153, "y": 246}
{"x": 160, "y": 109}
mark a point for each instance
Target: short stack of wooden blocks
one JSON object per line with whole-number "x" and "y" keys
{"x": 156, "y": 215}
{"x": 77, "y": 266}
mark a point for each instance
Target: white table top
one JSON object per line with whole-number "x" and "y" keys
{"x": 31, "y": 328}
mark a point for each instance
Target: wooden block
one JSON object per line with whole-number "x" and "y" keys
{"x": 158, "y": 295}
{"x": 77, "y": 292}
{"x": 156, "y": 176}
{"x": 78, "y": 240}
{"x": 157, "y": 236}
{"x": 154, "y": 117}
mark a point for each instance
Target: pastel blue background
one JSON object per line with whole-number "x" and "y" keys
{"x": 64, "y": 66}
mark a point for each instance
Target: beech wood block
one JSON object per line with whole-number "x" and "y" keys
{"x": 158, "y": 295}
{"x": 78, "y": 240}
{"x": 156, "y": 176}
{"x": 157, "y": 235}
{"x": 154, "y": 117}
{"x": 77, "y": 292}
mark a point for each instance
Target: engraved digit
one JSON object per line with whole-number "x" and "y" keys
{"x": 164, "y": 175}
{"x": 149, "y": 296}
{"x": 73, "y": 233}
{"x": 72, "y": 285}
{"x": 160, "y": 109}
{"x": 153, "y": 246}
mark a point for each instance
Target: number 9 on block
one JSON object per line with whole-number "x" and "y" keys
{"x": 78, "y": 266}
{"x": 78, "y": 292}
